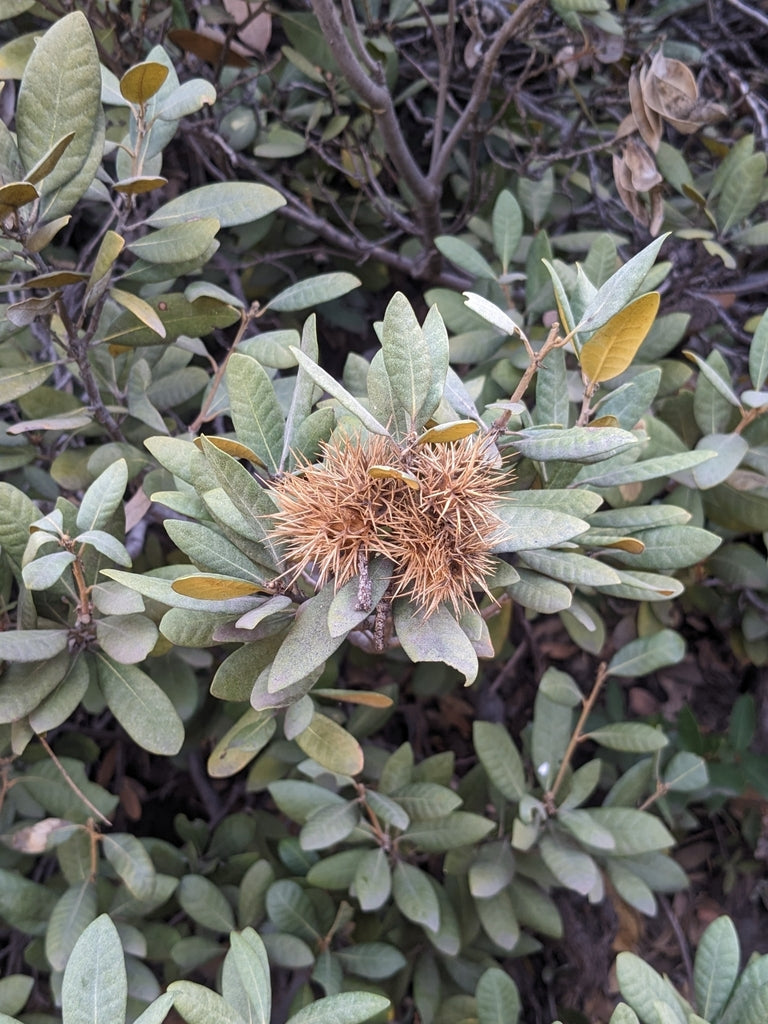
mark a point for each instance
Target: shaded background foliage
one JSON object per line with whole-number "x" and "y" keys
{"x": 429, "y": 149}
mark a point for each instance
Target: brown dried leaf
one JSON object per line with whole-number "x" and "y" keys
{"x": 648, "y": 120}
{"x": 644, "y": 174}
{"x": 670, "y": 89}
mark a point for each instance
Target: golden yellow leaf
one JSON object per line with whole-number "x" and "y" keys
{"x": 628, "y": 544}
{"x": 214, "y": 588}
{"x": 444, "y": 432}
{"x": 16, "y": 194}
{"x": 368, "y": 698}
{"x": 613, "y": 346}
{"x": 56, "y": 279}
{"x": 234, "y": 448}
{"x": 140, "y": 309}
{"x": 140, "y": 184}
{"x": 604, "y": 421}
{"x": 141, "y": 82}
{"x": 396, "y": 474}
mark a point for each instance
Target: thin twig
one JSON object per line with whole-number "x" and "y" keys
{"x": 71, "y": 782}
{"x": 577, "y": 736}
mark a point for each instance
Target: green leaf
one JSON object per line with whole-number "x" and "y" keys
{"x": 230, "y": 202}
{"x": 741, "y": 191}
{"x": 200, "y": 1005}
{"x": 307, "y": 645}
{"x": 326, "y": 742}
{"x": 633, "y": 831}
{"x": 44, "y": 572}
{"x": 685, "y": 772}
{"x": 648, "y": 653}
{"x": 528, "y": 527}
{"x": 406, "y": 358}
{"x": 74, "y": 911}
{"x": 647, "y": 469}
{"x": 313, "y": 291}
{"x": 758, "y": 353}
{"x": 498, "y": 920}
{"x": 617, "y": 291}
{"x": 577, "y": 444}
{"x": 140, "y": 706}
{"x": 106, "y": 544}
{"x": 716, "y": 379}
{"x": 572, "y": 868}
{"x": 60, "y": 92}
{"x": 460, "y": 828}
{"x": 26, "y": 645}
{"x": 329, "y": 825}
{"x": 414, "y": 896}
{"x": 373, "y": 880}
{"x": 242, "y": 742}
{"x": 633, "y": 890}
{"x": 17, "y": 381}
{"x": 15, "y": 990}
{"x": 184, "y": 100}
{"x": 423, "y": 801}
{"x": 632, "y": 737}
{"x": 372, "y": 960}
{"x": 344, "y": 1008}
{"x": 464, "y": 256}
{"x": 342, "y": 396}
{"x": 131, "y": 862}
{"x": 256, "y": 413}
{"x": 205, "y": 903}
{"x": 539, "y": 593}
{"x": 438, "y": 638}
{"x": 298, "y": 799}
{"x": 571, "y": 568}
{"x": 583, "y": 826}
{"x": 507, "y": 227}
{"x": 492, "y": 869}
{"x": 245, "y": 978}
{"x": 500, "y": 758}
{"x": 729, "y": 450}
{"x": 157, "y": 1010}
{"x": 177, "y": 315}
{"x": 291, "y": 910}
{"x": 623, "y": 1014}
{"x": 716, "y": 967}
{"x": 95, "y": 987}
{"x": 344, "y": 613}
{"x": 179, "y": 242}
{"x": 641, "y": 986}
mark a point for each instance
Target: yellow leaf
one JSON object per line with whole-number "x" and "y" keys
{"x": 56, "y": 279}
{"x": 396, "y": 474}
{"x": 214, "y": 588}
{"x": 613, "y": 346}
{"x": 141, "y": 183}
{"x": 41, "y": 236}
{"x": 46, "y": 164}
{"x": 604, "y": 421}
{"x": 444, "y": 432}
{"x": 140, "y": 309}
{"x": 234, "y": 448}
{"x": 141, "y": 82}
{"x": 365, "y": 697}
{"x": 628, "y": 544}
{"x": 16, "y": 194}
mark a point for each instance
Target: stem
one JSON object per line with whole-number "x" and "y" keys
{"x": 70, "y": 781}
{"x": 246, "y": 318}
{"x": 553, "y": 341}
{"x": 524, "y": 13}
{"x": 577, "y": 736}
